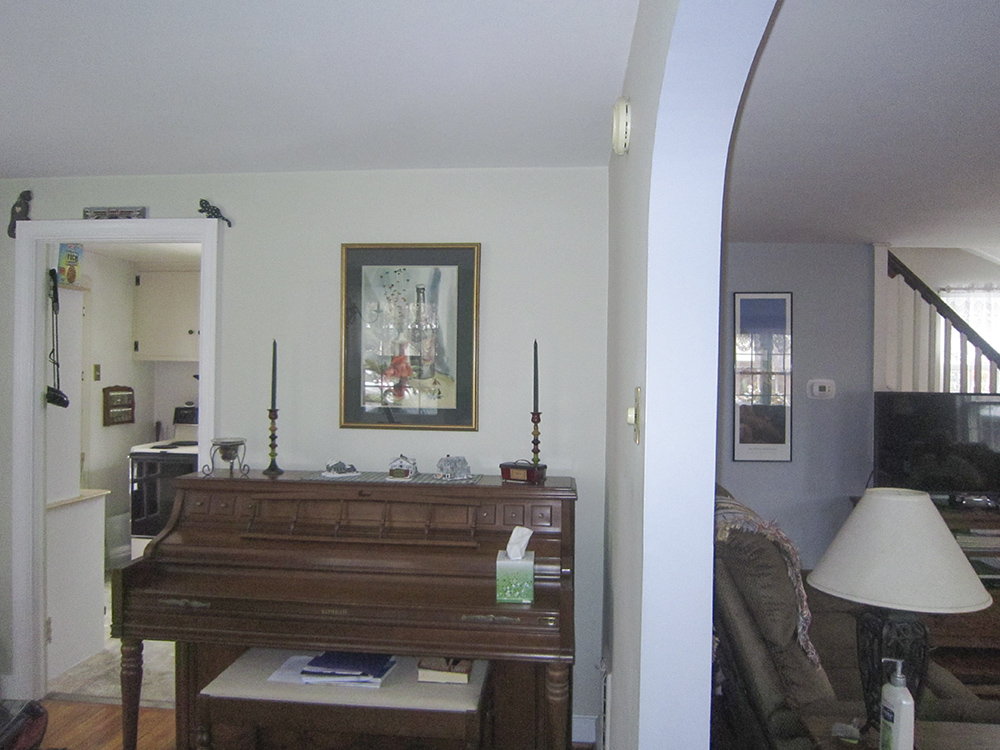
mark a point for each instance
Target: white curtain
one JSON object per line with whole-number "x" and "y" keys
{"x": 980, "y": 308}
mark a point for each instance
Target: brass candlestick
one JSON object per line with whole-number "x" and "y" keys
{"x": 523, "y": 470}
{"x": 272, "y": 470}
{"x": 536, "y": 417}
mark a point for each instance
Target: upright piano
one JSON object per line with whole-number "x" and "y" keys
{"x": 362, "y": 564}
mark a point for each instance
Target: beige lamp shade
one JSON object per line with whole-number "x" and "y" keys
{"x": 896, "y": 551}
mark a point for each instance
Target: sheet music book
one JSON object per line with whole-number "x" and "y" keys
{"x": 347, "y": 667}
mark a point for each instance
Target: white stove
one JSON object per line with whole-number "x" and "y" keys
{"x": 185, "y": 441}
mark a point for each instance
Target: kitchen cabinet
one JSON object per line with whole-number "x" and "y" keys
{"x": 165, "y": 316}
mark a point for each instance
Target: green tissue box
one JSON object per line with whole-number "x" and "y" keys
{"x": 516, "y": 578}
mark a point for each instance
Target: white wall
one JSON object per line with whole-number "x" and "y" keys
{"x": 175, "y": 385}
{"x": 108, "y": 337}
{"x": 543, "y": 275}
{"x": 941, "y": 267}
{"x": 711, "y": 52}
{"x": 660, "y": 503}
{"x": 832, "y": 337}
{"x": 629, "y": 224}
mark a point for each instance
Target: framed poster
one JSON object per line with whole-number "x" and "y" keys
{"x": 762, "y": 408}
{"x": 409, "y": 336}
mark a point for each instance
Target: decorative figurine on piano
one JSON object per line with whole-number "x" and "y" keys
{"x": 338, "y": 470}
{"x": 453, "y": 468}
{"x": 402, "y": 469}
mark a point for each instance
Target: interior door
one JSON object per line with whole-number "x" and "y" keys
{"x": 74, "y": 524}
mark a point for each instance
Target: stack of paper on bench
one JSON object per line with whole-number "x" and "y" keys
{"x": 348, "y": 668}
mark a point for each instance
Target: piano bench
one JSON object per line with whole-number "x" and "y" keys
{"x": 242, "y": 709}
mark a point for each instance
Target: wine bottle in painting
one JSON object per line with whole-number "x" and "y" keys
{"x": 423, "y": 336}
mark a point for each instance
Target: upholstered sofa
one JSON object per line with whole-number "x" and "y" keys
{"x": 785, "y": 651}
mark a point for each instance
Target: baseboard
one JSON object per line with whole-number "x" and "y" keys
{"x": 584, "y": 731}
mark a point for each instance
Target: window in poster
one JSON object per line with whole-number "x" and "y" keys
{"x": 763, "y": 377}
{"x": 409, "y": 338}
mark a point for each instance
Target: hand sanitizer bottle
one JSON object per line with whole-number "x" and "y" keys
{"x": 896, "y": 731}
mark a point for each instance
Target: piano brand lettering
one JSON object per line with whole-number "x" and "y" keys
{"x": 184, "y": 603}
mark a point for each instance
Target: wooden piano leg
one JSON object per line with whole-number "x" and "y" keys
{"x": 131, "y": 681}
{"x": 557, "y": 690}
{"x": 203, "y": 739}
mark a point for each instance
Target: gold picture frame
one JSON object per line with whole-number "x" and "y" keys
{"x": 410, "y": 336}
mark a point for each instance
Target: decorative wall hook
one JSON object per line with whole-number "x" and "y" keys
{"x": 19, "y": 212}
{"x": 212, "y": 212}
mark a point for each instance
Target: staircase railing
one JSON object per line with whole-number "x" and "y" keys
{"x": 932, "y": 328}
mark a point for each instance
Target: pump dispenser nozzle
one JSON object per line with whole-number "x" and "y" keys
{"x": 897, "y": 677}
{"x": 896, "y": 730}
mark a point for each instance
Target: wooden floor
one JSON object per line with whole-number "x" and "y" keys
{"x": 98, "y": 726}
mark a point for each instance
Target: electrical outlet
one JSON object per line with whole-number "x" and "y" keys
{"x": 97, "y": 373}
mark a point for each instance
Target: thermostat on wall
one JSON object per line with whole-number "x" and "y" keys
{"x": 821, "y": 388}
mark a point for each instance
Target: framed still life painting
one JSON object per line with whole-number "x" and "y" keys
{"x": 762, "y": 409}
{"x": 409, "y": 336}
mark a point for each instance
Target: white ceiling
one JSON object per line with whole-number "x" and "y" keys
{"x": 867, "y": 120}
{"x": 873, "y": 121}
{"x": 151, "y": 256}
{"x": 225, "y": 86}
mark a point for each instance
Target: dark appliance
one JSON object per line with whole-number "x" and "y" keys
{"x": 153, "y": 467}
{"x": 946, "y": 444}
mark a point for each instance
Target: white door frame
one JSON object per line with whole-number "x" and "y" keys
{"x": 27, "y": 473}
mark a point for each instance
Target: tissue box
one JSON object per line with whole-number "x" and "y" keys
{"x": 516, "y": 578}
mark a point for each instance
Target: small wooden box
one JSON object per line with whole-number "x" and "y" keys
{"x": 523, "y": 471}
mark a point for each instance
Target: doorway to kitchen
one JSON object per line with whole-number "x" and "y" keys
{"x": 32, "y": 468}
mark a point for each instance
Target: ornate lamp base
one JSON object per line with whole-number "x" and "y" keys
{"x": 887, "y": 633}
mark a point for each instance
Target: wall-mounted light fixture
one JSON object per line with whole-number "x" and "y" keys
{"x": 621, "y": 126}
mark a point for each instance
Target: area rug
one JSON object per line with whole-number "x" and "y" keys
{"x": 97, "y": 679}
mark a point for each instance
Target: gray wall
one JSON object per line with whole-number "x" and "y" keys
{"x": 832, "y": 323}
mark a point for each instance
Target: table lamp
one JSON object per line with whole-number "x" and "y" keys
{"x": 896, "y": 554}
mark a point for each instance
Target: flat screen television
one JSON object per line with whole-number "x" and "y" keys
{"x": 946, "y": 444}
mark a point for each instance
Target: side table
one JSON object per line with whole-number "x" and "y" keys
{"x": 968, "y": 645}
{"x": 930, "y": 735}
